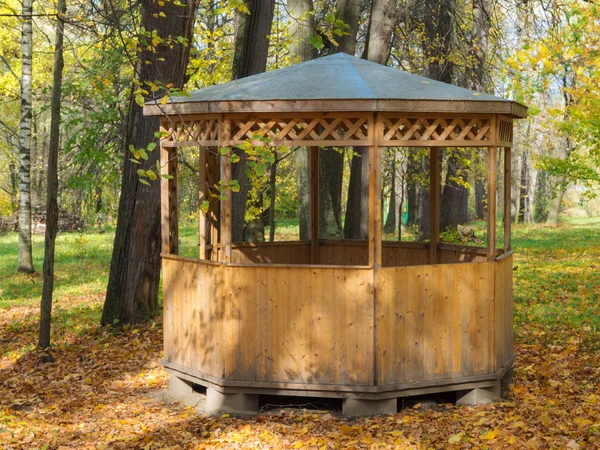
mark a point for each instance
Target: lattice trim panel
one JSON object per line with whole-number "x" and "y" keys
{"x": 505, "y": 131}
{"x": 436, "y": 131}
{"x": 310, "y": 130}
{"x": 193, "y": 131}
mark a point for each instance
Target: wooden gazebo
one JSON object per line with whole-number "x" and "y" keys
{"x": 367, "y": 321}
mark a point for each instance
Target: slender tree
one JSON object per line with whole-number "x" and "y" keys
{"x": 25, "y": 260}
{"x": 132, "y": 291}
{"x": 52, "y": 180}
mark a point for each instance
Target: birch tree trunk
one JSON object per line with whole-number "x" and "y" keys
{"x": 52, "y": 181}
{"x": 25, "y": 260}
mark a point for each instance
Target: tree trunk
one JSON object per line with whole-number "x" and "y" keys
{"x": 249, "y": 58}
{"x": 25, "y": 259}
{"x": 383, "y": 17}
{"x": 52, "y": 181}
{"x": 330, "y": 193}
{"x": 349, "y": 13}
{"x": 302, "y": 27}
{"x": 424, "y": 204}
{"x": 132, "y": 292}
{"x": 523, "y": 186}
{"x": 529, "y": 199}
{"x": 555, "y": 206}
{"x": 438, "y": 18}
{"x": 356, "y": 224}
{"x": 477, "y": 78}
{"x": 13, "y": 186}
{"x": 515, "y": 188}
{"x": 272, "y": 188}
{"x": 454, "y": 193}
{"x": 390, "y": 222}
{"x": 412, "y": 191}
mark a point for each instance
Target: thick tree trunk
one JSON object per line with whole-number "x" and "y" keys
{"x": 249, "y": 58}
{"x": 477, "y": 77}
{"x": 52, "y": 182}
{"x": 454, "y": 193}
{"x": 302, "y": 27}
{"x": 438, "y": 18}
{"x": 132, "y": 292}
{"x": 25, "y": 259}
{"x": 330, "y": 193}
{"x": 356, "y": 224}
{"x": 383, "y": 18}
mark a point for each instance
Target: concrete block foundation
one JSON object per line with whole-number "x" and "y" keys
{"x": 353, "y": 407}
{"x": 479, "y": 396}
{"x": 219, "y": 403}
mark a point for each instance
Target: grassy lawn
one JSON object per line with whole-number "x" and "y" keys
{"x": 95, "y": 395}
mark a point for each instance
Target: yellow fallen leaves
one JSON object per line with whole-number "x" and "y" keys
{"x": 492, "y": 434}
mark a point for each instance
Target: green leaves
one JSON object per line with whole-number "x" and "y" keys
{"x": 316, "y": 41}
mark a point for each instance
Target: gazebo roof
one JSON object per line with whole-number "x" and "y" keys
{"x": 338, "y": 82}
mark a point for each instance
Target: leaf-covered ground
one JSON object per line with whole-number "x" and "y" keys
{"x": 97, "y": 392}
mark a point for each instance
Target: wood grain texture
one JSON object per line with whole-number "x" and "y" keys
{"x": 435, "y": 322}
{"x": 504, "y": 312}
{"x": 269, "y": 324}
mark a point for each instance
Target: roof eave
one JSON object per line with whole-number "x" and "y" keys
{"x": 505, "y": 107}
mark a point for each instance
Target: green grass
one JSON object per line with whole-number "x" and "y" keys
{"x": 557, "y": 281}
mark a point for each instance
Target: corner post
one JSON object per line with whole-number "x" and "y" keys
{"x": 314, "y": 205}
{"x": 202, "y": 222}
{"x": 168, "y": 199}
{"x": 434, "y": 203}
{"x": 375, "y": 257}
{"x": 225, "y": 170}
{"x": 491, "y": 200}
{"x": 507, "y": 199}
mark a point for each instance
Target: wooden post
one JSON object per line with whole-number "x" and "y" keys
{"x": 375, "y": 259}
{"x": 434, "y": 203}
{"x": 225, "y": 170}
{"x": 168, "y": 202}
{"x": 314, "y": 205}
{"x": 507, "y": 199}
{"x": 491, "y": 203}
{"x": 202, "y": 224}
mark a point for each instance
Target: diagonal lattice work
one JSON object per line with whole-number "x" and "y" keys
{"x": 191, "y": 131}
{"x": 409, "y": 131}
{"x": 307, "y": 130}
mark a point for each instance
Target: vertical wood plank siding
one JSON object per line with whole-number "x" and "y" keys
{"x": 315, "y": 325}
{"x": 272, "y": 324}
{"x": 504, "y": 311}
{"x": 435, "y": 322}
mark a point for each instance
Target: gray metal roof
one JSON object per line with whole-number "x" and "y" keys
{"x": 338, "y": 77}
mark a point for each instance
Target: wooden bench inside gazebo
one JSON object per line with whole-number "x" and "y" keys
{"x": 366, "y": 321}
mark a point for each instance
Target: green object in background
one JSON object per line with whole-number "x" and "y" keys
{"x": 405, "y": 214}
